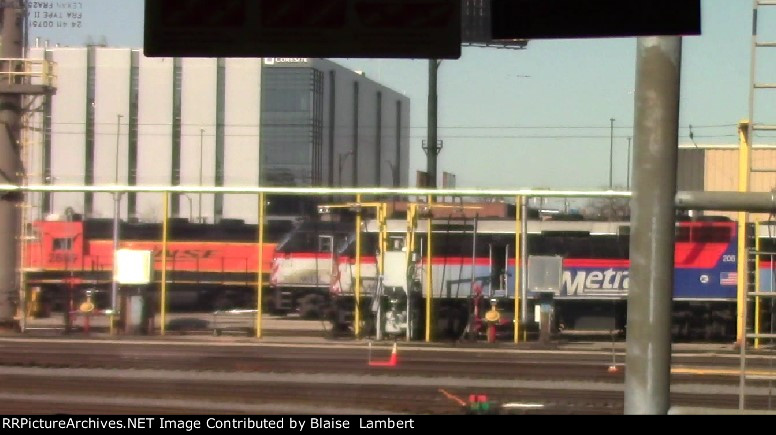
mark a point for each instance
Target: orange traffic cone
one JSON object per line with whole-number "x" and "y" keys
{"x": 393, "y": 361}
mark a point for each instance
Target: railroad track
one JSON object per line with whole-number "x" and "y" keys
{"x": 390, "y": 399}
{"x": 475, "y": 365}
{"x": 195, "y": 362}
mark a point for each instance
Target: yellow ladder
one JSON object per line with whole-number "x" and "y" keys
{"x": 759, "y": 87}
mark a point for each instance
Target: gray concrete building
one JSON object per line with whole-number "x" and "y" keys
{"x": 120, "y": 117}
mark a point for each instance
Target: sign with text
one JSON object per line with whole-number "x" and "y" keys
{"x": 548, "y": 19}
{"x": 303, "y": 28}
{"x": 50, "y": 14}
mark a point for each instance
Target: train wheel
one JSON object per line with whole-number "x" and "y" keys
{"x": 222, "y": 303}
{"x": 312, "y": 307}
{"x": 270, "y": 306}
{"x": 451, "y": 322}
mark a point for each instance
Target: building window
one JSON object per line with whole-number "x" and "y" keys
{"x": 397, "y": 168}
{"x": 332, "y": 121}
{"x": 177, "y": 74}
{"x": 289, "y": 100}
{"x": 89, "y": 148}
{"x": 317, "y": 132}
{"x": 218, "y": 201}
{"x": 47, "y": 197}
{"x": 355, "y": 134}
{"x": 134, "y": 104}
{"x": 378, "y": 140}
{"x": 288, "y": 132}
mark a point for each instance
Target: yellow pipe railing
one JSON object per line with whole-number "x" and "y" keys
{"x": 516, "y": 274}
{"x": 315, "y": 191}
{"x": 757, "y": 283}
{"x": 382, "y": 212}
{"x": 382, "y": 243}
{"x": 259, "y": 267}
{"x": 409, "y": 246}
{"x": 429, "y": 268}
{"x": 357, "y": 288}
{"x": 25, "y": 71}
{"x": 744, "y": 165}
{"x": 163, "y": 307}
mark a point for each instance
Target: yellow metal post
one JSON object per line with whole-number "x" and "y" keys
{"x": 429, "y": 291}
{"x": 744, "y": 166}
{"x": 757, "y": 283}
{"x": 163, "y": 307}
{"x": 381, "y": 221}
{"x": 259, "y": 267}
{"x": 357, "y": 284}
{"x": 516, "y": 274}
{"x": 381, "y": 246}
{"x": 409, "y": 246}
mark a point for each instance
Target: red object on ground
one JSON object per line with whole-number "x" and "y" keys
{"x": 393, "y": 361}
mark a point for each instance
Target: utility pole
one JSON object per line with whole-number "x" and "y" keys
{"x": 648, "y": 347}
{"x": 611, "y": 153}
{"x": 118, "y": 145}
{"x": 114, "y": 287}
{"x": 432, "y": 151}
{"x": 628, "y": 177}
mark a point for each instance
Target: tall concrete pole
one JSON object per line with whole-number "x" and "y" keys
{"x": 628, "y": 176}
{"x": 611, "y": 153}
{"x": 648, "y": 359}
{"x": 114, "y": 285}
{"x": 431, "y": 145}
{"x": 10, "y": 155}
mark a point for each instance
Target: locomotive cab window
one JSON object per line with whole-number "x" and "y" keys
{"x": 325, "y": 244}
{"x": 703, "y": 234}
{"x": 63, "y": 244}
{"x": 33, "y": 233}
{"x": 395, "y": 243}
{"x": 711, "y": 234}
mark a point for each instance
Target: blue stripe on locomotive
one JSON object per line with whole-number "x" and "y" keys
{"x": 689, "y": 282}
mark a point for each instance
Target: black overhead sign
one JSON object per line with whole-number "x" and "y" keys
{"x": 303, "y": 28}
{"x": 548, "y": 19}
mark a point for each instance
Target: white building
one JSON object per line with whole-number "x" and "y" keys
{"x": 120, "y": 117}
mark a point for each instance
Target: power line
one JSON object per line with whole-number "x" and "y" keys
{"x": 560, "y": 136}
{"x": 453, "y": 127}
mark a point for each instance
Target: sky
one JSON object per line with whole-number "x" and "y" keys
{"x": 539, "y": 117}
